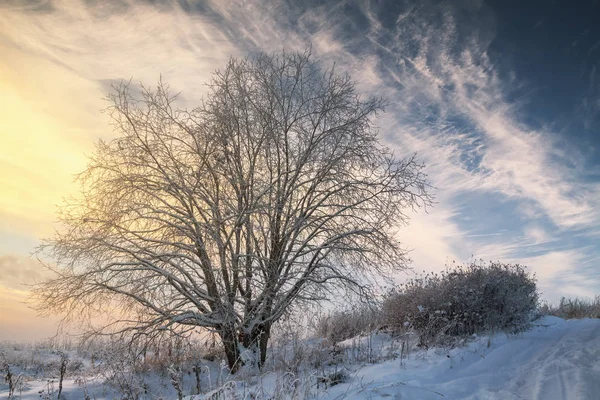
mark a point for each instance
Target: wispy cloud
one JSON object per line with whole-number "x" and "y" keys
{"x": 118, "y": 40}
{"x": 17, "y": 320}
{"x": 18, "y": 272}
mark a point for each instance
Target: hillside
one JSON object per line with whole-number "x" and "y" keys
{"x": 555, "y": 359}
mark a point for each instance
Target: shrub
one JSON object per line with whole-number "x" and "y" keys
{"x": 338, "y": 326}
{"x": 462, "y": 301}
{"x": 573, "y": 308}
{"x": 334, "y": 378}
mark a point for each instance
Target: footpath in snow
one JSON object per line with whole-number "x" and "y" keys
{"x": 556, "y": 359}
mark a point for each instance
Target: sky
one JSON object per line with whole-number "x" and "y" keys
{"x": 500, "y": 99}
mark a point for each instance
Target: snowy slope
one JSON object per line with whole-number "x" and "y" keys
{"x": 557, "y": 359}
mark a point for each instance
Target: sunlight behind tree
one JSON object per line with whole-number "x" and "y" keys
{"x": 274, "y": 192}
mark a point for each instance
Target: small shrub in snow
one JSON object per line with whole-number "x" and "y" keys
{"x": 462, "y": 301}
{"x": 9, "y": 378}
{"x": 121, "y": 368}
{"x": 334, "y": 377}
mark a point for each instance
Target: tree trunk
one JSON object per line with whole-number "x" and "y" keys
{"x": 232, "y": 352}
{"x": 263, "y": 342}
{"x": 257, "y": 341}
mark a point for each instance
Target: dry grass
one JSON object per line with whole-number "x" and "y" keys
{"x": 340, "y": 325}
{"x": 573, "y": 308}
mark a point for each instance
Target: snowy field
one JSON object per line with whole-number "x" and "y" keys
{"x": 555, "y": 359}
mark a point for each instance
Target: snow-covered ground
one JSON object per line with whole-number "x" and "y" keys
{"x": 556, "y": 359}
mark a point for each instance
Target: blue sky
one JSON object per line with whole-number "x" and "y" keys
{"x": 500, "y": 99}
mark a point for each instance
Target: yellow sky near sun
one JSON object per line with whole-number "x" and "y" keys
{"x": 44, "y": 137}
{"x": 55, "y": 69}
{"x": 52, "y": 70}
{"x": 49, "y": 121}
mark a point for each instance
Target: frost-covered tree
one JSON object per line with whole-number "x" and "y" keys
{"x": 274, "y": 192}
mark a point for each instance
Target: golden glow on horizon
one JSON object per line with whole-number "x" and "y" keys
{"x": 18, "y": 322}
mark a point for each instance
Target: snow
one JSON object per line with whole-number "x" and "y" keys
{"x": 555, "y": 359}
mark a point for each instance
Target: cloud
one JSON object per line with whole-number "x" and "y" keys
{"x": 53, "y": 76}
{"x": 452, "y": 106}
{"x": 558, "y": 276}
{"x": 31, "y": 6}
{"x": 18, "y": 272}
{"x": 107, "y": 40}
{"x": 537, "y": 234}
{"x": 20, "y": 323}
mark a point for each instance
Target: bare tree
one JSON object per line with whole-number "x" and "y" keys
{"x": 274, "y": 192}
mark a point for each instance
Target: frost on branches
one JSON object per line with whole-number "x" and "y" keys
{"x": 275, "y": 191}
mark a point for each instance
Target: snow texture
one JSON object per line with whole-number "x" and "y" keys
{"x": 556, "y": 359}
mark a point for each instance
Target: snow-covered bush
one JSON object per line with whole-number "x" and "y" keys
{"x": 573, "y": 308}
{"x": 462, "y": 301}
{"x": 341, "y": 325}
{"x": 121, "y": 368}
{"x": 166, "y": 365}
{"x": 8, "y": 376}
